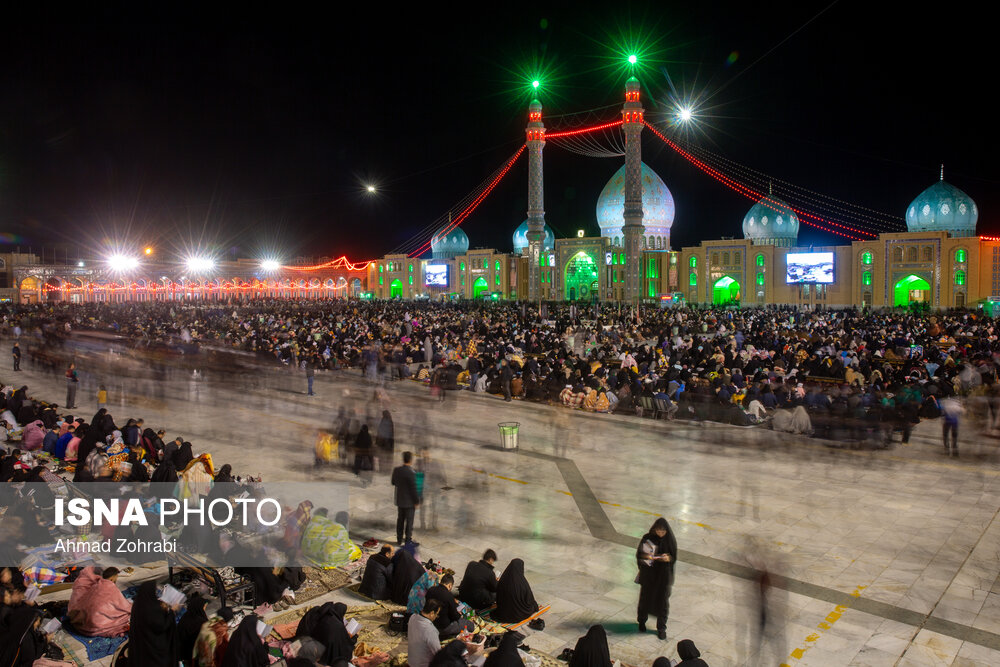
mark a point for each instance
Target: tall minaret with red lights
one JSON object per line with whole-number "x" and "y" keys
{"x": 632, "y": 230}
{"x": 535, "y": 134}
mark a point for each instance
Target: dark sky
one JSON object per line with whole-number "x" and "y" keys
{"x": 258, "y": 133}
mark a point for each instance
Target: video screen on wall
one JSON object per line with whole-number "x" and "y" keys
{"x": 436, "y": 275}
{"x": 809, "y": 267}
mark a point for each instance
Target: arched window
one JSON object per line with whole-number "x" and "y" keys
{"x": 411, "y": 268}
{"x": 411, "y": 280}
{"x": 652, "y": 242}
{"x": 911, "y": 254}
{"x": 928, "y": 253}
{"x": 541, "y": 260}
{"x": 725, "y": 259}
{"x": 866, "y": 258}
{"x": 760, "y": 260}
{"x": 960, "y": 277}
{"x": 866, "y": 278}
{"x": 461, "y": 266}
{"x": 380, "y": 268}
{"x": 737, "y": 259}
{"x": 897, "y": 254}
{"x": 693, "y": 279}
{"x": 497, "y": 265}
{"x": 693, "y": 262}
{"x": 960, "y": 255}
{"x": 760, "y": 277}
{"x": 715, "y": 258}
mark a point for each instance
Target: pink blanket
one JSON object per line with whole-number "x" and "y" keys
{"x": 96, "y": 606}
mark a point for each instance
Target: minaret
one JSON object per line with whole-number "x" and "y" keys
{"x": 536, "y": 198}
{"x": 633, "y": 230}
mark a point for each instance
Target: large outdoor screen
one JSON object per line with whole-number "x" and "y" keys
{"x": 809, "y": 267}
{"x": 436, "y": 275}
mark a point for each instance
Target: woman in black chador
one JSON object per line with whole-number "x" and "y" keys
{"x": 656, "y": 556}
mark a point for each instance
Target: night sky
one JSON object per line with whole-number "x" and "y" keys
{"x": 258, "y": 137}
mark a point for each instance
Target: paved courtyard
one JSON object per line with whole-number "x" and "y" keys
{"x": 879, "y": 558}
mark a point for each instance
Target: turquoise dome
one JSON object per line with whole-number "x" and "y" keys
{"x": 657, "y": 205}
{"x": 771, "y": 222}
{"x": 943, "y": 208}
{"x": 447, "y": 246}
{"x": 521, "y": 238}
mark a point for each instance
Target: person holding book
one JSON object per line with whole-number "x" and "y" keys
{"x": 655, "y": 556}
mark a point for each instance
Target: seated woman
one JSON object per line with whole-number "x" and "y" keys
{"x": 96, "y": 607}
{"x": 418, "y": 592}
{"x": 515, "y": 601}
{"x": 405, "y": 572}
{"x": 592, "y": 649}
{"x": 22, "y": 641}
{"x": 325, "y": 624}
{"x": 377, "y": 580}
{"x": 152, "y": 637}
{"x": 246, "y": 648}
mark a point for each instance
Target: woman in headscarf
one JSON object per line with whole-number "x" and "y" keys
{"x": 689, "y": 654}
{"x": 183, "y": 457}
{"x": 405, "y": 572}
{"x": 165, "y": 472}
{"x": 225, "y": 474}
{"x": 385, "y": 437}
{"x": 363, "y": 451}
{"x": 21, "y": 642}
{"x": 376, "y": 583}
{"x": 331, "y": 632}
{"x": 515, "y": 601}
{"x": 452, "y": 655}
{"x": 656, "y": 555}
{"x": 592, "y": 649}
{"x": 246, "y": 648}
{"x": 213, "y": 639}
{"x": 189, "y": 627}
{"x": 152, "y": 630}
{"x": 88, "y": 443}
{"x": 418, "y": 592}
{"x": 506, "y": 654}
{"x": 138, "y": 473}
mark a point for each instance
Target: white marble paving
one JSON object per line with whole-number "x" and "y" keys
{"x": 913, "y": 528}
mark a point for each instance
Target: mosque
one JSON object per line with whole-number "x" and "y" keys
{"x": 939, "y": 260}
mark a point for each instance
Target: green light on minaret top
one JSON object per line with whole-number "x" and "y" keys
{"x": 536, "y": 83}
{"x": 633, "y": 59}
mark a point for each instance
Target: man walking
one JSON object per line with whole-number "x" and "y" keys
{"x": 951, "y": 411}
{"x": 16, "y": 353}
{"x": 72, "y": 382}
{"x": 407, "y": 498}
{"x": 310, "y": 374}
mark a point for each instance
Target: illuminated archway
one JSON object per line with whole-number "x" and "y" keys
{"x": 396, "y": 290}
{"x": 725, "y": 291}
{"x": 480, "y": 287}
{"x": 912, "y": 289}
{"x": 580, "y": 279}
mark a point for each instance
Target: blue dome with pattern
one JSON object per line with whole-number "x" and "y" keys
{"x": 943, "y": 208}
{"x": 449, "y": 245}
{"x": 657, "y": 205}
{"x": 521, "y": 238}
{"x": 771, "y": 222}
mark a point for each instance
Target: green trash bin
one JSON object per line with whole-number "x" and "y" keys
{"x": 508, "y": 434}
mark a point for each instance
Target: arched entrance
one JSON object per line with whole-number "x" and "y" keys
{"x": 912, "y": 289}
{"x": 581, "y": 277}
{"x": 725, "y": 291}
{"x": 480, "y": 287}
{"x": 29, "y": 289}
{"x": 396, "y": 290}
{"x": 356, "y": 287}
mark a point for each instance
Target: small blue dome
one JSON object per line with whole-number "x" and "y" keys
{"x": 771, "y": 222}
{"x": 943, "y": 208}
{"x": 657, "y": 205}
{"x": 450, "y": 244}
{"x": 521, "y": 238}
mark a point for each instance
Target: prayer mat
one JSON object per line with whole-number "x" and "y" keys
{"x": 514, "y": 626}
{"x": 94, "y": 647}
{"x": 319, "y": 582}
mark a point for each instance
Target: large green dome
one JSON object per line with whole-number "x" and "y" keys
{"x": 657, "y": 205}
{"x": 521, "y": 238}
{"x": 771, "y": 221}
{"x": 450, "y": 244}
{"x": 943, "y": 208}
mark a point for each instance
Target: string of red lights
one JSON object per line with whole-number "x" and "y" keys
{"x": 805, "y": 217}
{"x": 584, "y": 130}
{"x": 156, "y": 288}
{"x": 340, "y": 263}
{"x": 457, "y": 220}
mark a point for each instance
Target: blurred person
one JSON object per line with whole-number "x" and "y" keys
{"x": 102, "y": 398}
{"x": 951, "y": 412}
{"x": 16, "y": 354}
{"x": 766, "y": 603}
{"x": 434, "y": 480}
{"x": 72, "y": 384}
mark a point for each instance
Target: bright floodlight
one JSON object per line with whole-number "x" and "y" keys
{"x": 633, "y": 59}
{"x": 270, "y": 265}
{"x": 119, "y": 262}
{"x": 685, "y": 114}
{"x": 371, "y": 188}
{"x": 148, "y": 250}
{"x": 196, "y": 264}
{"x": 536, "y": 83}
